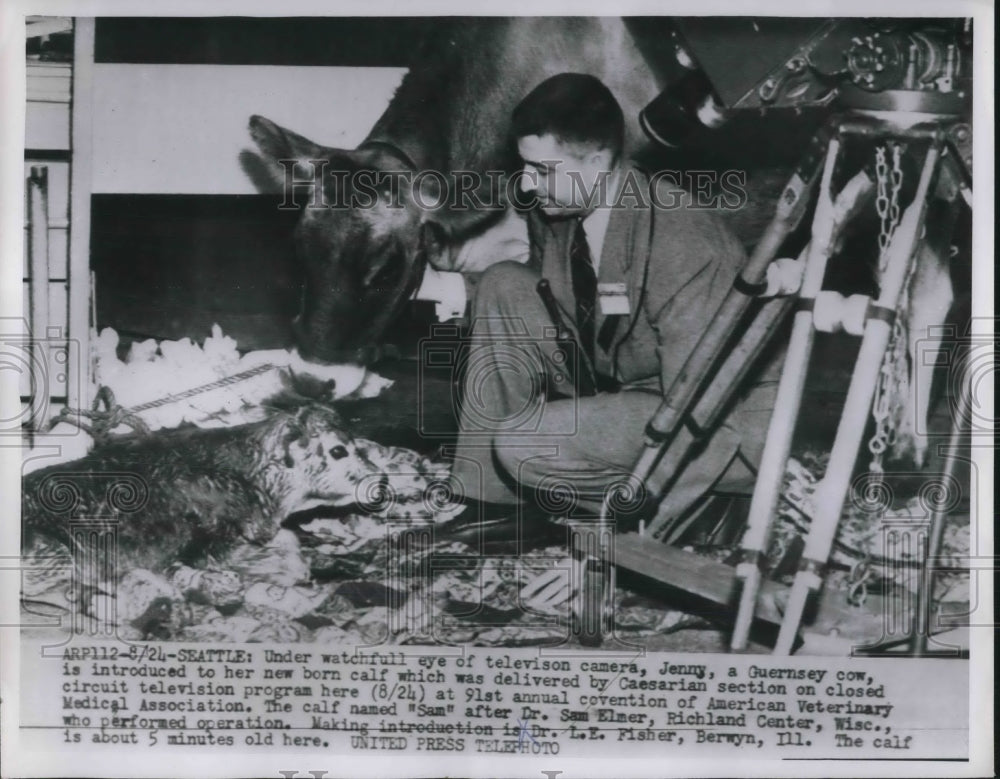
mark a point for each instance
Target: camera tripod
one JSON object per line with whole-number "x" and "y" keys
{"x": 694, "y": 403}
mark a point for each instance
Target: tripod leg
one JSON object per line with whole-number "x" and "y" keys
{"x": 832, "y": 490}
{"x": 703, "y": 417}
{"x": 848, "y": 202}
{"x": 664, "y": 425}
{"x": 724, "y": 384}
{"x": 789, "y": 398}
{"x": 681, "y": 393}
{"x": 925, "y": 586}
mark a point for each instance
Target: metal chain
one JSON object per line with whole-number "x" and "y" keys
{"x": 881, "y": 201}
{"x": 896, "y": 180}
{"x": 888, "y": 184}
{"x": 857, "y": 581}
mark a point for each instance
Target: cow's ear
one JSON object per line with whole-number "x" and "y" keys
{"x": 280, "y": 144}
{"x": 277, "y": 144}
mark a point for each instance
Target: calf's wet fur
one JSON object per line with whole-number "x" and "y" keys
{"x": 187, "y": 495}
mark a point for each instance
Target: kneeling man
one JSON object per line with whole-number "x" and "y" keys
{"x": 636, "y": 274}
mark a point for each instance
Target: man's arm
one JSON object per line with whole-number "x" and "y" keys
{"x": 505, "y": 240}
{"x": 695, "y": 259}
{"x": 451, "y": 283}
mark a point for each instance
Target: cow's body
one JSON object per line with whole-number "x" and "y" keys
{"x": 453, "y": 107}
{"x": 451, "y": 113}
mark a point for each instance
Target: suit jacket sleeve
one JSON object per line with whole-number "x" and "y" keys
{"x": 694, "y": 260}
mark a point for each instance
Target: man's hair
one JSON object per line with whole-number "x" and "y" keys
{"x": 575, "y": 108}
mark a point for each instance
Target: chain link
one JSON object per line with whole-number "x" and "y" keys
{"x": 881, "y": 201}
{"x": 896, "y": 180}
{"x": 857, "y": 581}
{"x": 887, "y": 389}
{"x": 888, "y": 182}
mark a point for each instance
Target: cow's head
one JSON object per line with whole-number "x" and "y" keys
{"x": 362, "y": 237}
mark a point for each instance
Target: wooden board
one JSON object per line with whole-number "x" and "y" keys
{"x": 690, "y": 576}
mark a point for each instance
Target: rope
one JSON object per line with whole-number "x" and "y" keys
{"x": 168, "y": 399}
{"x": 115, "y": 415}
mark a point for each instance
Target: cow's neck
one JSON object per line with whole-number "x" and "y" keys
{"x": 441, "y": 113}
{"x": 405, "y": 158}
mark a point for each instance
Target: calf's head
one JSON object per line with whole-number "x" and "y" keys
{"x": 318, "y": 462}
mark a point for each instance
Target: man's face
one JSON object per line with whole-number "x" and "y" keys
{"x": 564, "y": 176}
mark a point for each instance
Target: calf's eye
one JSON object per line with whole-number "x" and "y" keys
{"x": 338, "y": 452}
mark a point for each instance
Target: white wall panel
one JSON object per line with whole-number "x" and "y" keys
{"x": 161, "y": 129}
{"x": 46, "y": 126}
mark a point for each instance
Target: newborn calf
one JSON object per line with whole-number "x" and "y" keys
{"x": 183, "y": 495}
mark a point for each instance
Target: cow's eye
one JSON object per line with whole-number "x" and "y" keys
{"x": 338, "y": 452}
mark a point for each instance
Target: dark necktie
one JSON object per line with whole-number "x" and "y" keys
{"x": 584, "y": 288}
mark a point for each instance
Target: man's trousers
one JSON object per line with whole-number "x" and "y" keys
{"x": 516, "y": 445}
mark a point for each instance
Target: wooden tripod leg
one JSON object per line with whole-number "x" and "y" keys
{"x": 832, "y": 490}
{"x": 725, "y": 383}
{"x": 787, "y": 403}
{"x": 702, "y": 419}
{"x": 847, "y": 204}
{"x": 664, "y": 426}
{"x": 678, "y": 398}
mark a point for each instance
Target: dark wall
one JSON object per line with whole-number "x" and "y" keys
{"x": 245, "y": 41}
{"x": 169, "y": 266}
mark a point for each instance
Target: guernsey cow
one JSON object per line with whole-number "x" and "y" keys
{"x": 366, "y": 233}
